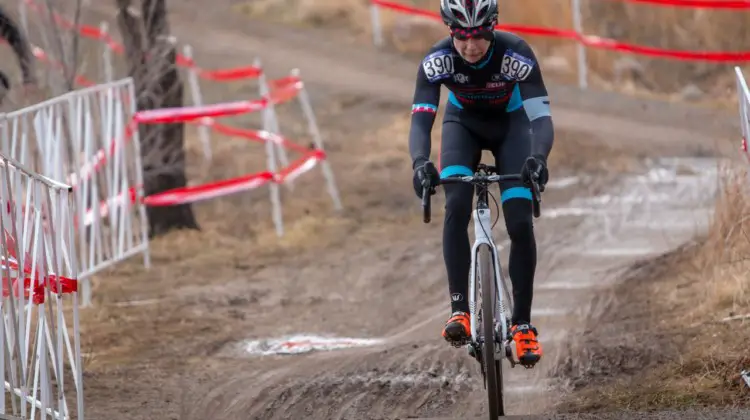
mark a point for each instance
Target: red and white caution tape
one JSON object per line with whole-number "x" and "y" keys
{"x": 600, "y": 42}
{"x": 121, "y": 199}
{"x": 11, "y": 266}
{"x": 192, "y": 194}
{"x": 191, "y": 113}
{"x": 188, "y": 195}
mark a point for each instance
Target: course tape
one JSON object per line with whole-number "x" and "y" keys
{"x": 185, "y": 195}
{"x": 283, "y": 90}
{"x": 12, "y": 267}
{"x": 694, "y": 4}
{"x": 590, "y": 40}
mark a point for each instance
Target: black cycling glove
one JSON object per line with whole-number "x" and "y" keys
{"x": 535, "y": 164}
{"x": 425, "y": 175}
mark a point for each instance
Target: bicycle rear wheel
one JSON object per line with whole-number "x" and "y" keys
{"x": 493, "y": 369}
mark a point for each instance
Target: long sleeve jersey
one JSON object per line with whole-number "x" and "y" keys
{"x": 507, "y": 79}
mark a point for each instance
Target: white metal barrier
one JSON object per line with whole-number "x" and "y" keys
{"x": 743, "y": 98}
{"x": 86, "y": 137}
{"x": 40, "y": 360}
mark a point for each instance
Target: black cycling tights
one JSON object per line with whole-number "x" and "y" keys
{"x": 457, "y": 249}
{"x": 464, "y": 138}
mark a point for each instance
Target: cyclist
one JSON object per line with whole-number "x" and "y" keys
{"x": 497, "y": 102}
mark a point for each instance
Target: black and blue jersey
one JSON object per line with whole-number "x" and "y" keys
{"x": 507, "y": 79}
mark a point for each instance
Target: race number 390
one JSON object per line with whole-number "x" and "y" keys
{"x": 438, "y": 67}
{"x": 515, "y": 67}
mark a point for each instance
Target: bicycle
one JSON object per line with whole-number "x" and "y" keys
{"x": 484, "y": 257}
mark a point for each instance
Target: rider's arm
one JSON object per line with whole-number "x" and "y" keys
{"x": 11, "y": 33}
{"x": 423, "y": 111}
{"x": 536, "y": 103}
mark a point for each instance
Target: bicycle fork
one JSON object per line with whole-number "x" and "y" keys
{"x": 483, "y": 236}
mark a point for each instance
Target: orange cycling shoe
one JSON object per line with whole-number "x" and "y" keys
{"x": 528, "y": 349}
{"x": 457, "y": 330}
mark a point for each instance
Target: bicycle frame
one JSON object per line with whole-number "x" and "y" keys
{"x": 483, "y": 237}
{"x": 486, "y": 352}
{"x": 482, "y": 217}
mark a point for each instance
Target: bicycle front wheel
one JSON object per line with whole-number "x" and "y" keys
{"x": 493, "y": 369}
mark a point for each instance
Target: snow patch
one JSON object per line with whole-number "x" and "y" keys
{"x": 298, "y": 344}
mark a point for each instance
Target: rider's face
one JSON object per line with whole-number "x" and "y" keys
{"x": 471, "y": 49}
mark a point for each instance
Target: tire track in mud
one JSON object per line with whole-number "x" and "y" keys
{"x": 414, "y": 373}
{"x": 413, "y": 370}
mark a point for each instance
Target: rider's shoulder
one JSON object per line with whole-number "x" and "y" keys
{"x": 508, "y": 40}
{"x": 443, "y": 46}
{"x": 438, "y": 63}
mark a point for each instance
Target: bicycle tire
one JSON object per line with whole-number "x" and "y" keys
{"x": 492, "y": 368}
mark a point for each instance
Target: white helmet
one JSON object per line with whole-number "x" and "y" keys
{"x": 468, "y": 13}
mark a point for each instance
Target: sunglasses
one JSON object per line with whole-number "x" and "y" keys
{"x": 483, "y": 32}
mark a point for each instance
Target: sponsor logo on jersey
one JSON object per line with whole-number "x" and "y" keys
{"x": 495, "y": 85}
{"x": 460, "y": 78}
{"x": 497, "y": 77}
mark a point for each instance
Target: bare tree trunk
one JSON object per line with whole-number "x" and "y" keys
{"x": 151, "y": 59}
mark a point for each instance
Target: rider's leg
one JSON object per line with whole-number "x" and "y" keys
{"x": 459, "y": 155}
{"x": 517, "y": 209}
{"x": 522, "y": 261}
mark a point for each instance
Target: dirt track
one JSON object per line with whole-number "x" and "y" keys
{"x": 374, "y": 271}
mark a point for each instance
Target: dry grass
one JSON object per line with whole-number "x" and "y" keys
{"x": 662, "y": 27}
{"x": 723, "y": 257}
{"x": 673, "y": 321}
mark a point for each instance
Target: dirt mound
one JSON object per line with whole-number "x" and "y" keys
{"x": 611, "y": 344}
{"x": 678, "y": 314}
{"x": 397, "y": 381}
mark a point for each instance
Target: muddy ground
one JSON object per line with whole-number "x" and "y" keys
{"x": 167, "y": 343}
{"x": 676, "y": 335}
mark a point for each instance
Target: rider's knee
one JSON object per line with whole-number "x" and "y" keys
{"x": 458, "y": 201}
{"x": 518, "y": 220}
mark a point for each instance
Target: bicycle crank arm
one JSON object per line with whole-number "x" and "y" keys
{"x": 509, "y": 355}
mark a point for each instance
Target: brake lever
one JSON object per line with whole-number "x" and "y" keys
{"x": 535, "y": 178}
{"x": 426, "y": 205}
{"x": 536, "y": 192}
